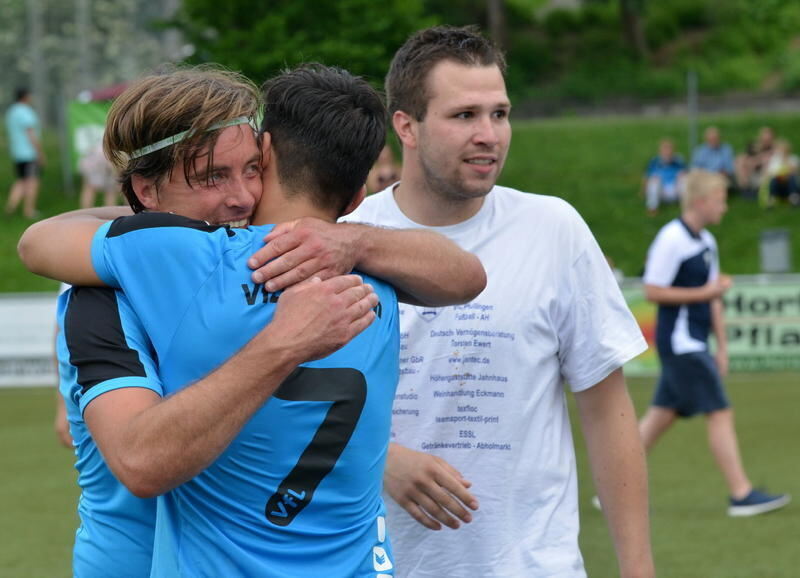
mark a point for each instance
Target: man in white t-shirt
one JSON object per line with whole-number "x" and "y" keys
{"x": 481, "y": 389}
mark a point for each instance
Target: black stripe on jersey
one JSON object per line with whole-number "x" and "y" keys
{"x": 148, "y": 220}
{"x": 95, "y": 338}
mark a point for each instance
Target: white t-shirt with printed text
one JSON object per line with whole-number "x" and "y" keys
{"x": 481, "y": 385}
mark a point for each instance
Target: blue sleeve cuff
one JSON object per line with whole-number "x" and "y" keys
{"x": 98, "y": 256}
{"x": 119, "y": 383}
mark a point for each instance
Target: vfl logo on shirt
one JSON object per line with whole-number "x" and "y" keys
{"x": 428, "y": 313}
{"x": 707, "y": 257}
{"x": 251, "y": 295}
{"x": 380, "y": 560}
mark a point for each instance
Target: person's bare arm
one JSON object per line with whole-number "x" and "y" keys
{"x": 432, "y": 491}
{"x": 721, "y": 337}
{"x": 61, "y": 247}
{"x": 425, "y": 267}
{"x": 687, "y": 295}
{"x": 40, "y": 158}
{"x": 61, "y": 423}
{"x": 618, "y": 466}
{"x": 153, "y": 444}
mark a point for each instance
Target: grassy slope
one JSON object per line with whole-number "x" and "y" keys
{"x": 597, "y": 164}
{"x": 692, "y": 536}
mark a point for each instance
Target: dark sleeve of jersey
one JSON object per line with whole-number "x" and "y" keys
{"x": 148, "y": 220}
{"x": 95, "y": 338}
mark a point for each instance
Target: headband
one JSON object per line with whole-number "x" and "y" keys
{"x": 171, "y": 140}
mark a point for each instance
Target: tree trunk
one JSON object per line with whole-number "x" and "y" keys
{"x": 633, "y": 27}
{"x": 497, "y": 21}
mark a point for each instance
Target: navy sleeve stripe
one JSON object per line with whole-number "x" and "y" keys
{"x": 95, "y": 338}
{"x": 147, "y": 220}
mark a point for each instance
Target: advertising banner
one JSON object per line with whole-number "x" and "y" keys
{"x": 87, "y": 121}
{"x": 763, "y": 324}
{"x": 27, "y": 339}
{"x": 762, "y": 318}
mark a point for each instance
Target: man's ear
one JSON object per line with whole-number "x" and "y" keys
{"x": 146, "y": 191}
{"x": 266, "y": 149}
{"x": 405, "y": 127}
{"x": 357, "y": 200}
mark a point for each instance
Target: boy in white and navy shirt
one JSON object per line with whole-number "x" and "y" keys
{"x": 682, "y": 277}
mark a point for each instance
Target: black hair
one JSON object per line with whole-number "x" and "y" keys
{"x": 327, "y": 128}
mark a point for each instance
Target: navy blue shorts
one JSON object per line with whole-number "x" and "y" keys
{"x": 690, "y": 384}
{"x": 27, "y": 169}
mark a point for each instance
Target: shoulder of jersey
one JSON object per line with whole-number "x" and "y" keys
{"x": 155, "y": 220}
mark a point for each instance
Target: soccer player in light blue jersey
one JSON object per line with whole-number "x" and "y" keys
{"x": 105, "y": 357}
{"x": 298, "y": 490}
{"x": 107, "y": 362}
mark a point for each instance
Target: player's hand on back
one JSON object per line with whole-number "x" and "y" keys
{"x": 432, "y": 491}
{"x": 315, "y": 318}
{"x": 301, "y": 249}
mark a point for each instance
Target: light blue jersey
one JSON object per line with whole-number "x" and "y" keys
{"x": 101, "y": 348}
{"x": 20, "y": 118}
{"x": 297, "y": 493}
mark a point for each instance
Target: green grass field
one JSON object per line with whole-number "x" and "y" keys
{"x": 692, "y": 536}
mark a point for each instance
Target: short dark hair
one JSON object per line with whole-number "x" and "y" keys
{"x": 406, "y": 81}
{"x": 164, "y": 104}
{"x": 327, "y": 127}
{"x": 21, "y": 93}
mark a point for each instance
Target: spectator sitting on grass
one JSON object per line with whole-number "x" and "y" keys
{"x": 663, "y": 178}
{"x": 751, "y": 164}
{"x": 780, "y": 179}
{"x": 714, "y": 155}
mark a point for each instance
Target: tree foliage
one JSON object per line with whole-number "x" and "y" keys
{"x": 120, "y": 41}
{"x": 260, "y": 38}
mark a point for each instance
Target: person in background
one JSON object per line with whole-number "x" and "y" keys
{"x": 682, "y": 277}
{"x": 98, "y": 176}
{"x": 714, "y": 155}
{"x": 779, "y": 183}
{"x": 663, "y": 177}
{"x": 751, "y": 164}
{"x": 384, "y": 172}
{"x": 24, "y": 139}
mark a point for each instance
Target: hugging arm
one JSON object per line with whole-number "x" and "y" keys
{"x": 61, "y": 247}
{"x": 424, "y": 267}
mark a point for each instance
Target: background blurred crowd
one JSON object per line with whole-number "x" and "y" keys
{"x": 766, "y": 171}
